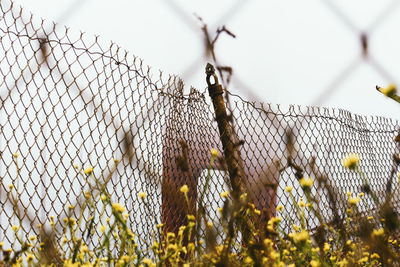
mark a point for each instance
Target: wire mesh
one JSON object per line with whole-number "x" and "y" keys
{"x": 70, "y": 102}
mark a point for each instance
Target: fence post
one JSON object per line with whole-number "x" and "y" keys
{"x": 228, "y": 137}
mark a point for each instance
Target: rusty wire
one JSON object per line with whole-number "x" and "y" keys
{"x": 68, "y": 102}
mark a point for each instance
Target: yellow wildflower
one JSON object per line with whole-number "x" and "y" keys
{"x": 375, "y": 256}
{"x": 301, "y": 203}
{"x": 314, "y": 263}
{"x": 15, "y": 228}
{"x": 170, "y": 235}
{"x": 88, "y": 194}
{"x": 71, "y": 221}
{"x": 390, "y": 90}
{"x": 32, "y": 237}
{"x": 256, "y": 211}
{"x": 315, "y": 250}
{"x": 130, "y": 234}
{"x": 274, "y": 255}
{"x": 210, "y": 224}
{"x": 125, "y": 258}
{"x": 191, "y": 217}
{"x": 363, "y": 260}
{"x": 273, "y": 222}
{"x": 351, "y": 161}
{"x": 248, "y": 260}
{"x": 354, "y": 200}
{"x": 172, "y": 247}
{"x": 327, "y": 247}
{"x": 118, "y": 207}
{"x": 214, "y": 152}
{"x": 301, "y": 236}
{"x": 306, "y": 182}
{"x": 224, "y": 194}
{"x": 343, "y": 263}
{"x": 268, "y": 242}
{"x": 84, "y": 249}
{"x": 15, "y": 155}
{"x": 378, "y": 232}
{"x": 88, "y": 171}
{"x": 184, "y": 189}
{"x": 288, "y": 189}
{"x": 279, "y": 208}
{"x": 142, "y": 195}
{"x": 30, "y": 257}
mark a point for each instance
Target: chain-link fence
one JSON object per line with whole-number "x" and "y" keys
{"x": 69, "y": 103}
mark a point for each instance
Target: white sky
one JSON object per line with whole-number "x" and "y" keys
{"x": 286, "y": 51}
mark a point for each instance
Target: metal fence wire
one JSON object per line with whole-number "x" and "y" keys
{"x": 70, "y": 102}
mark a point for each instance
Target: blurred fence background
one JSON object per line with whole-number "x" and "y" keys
{"x": 70, "y": 101}
{"x": 307, "y": 53}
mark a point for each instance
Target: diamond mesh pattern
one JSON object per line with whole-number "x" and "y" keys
{"x": 68, "y": 102}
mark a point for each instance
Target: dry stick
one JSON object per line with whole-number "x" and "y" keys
{"x": 231, "y": 153}
{"x": 232, "y": 157}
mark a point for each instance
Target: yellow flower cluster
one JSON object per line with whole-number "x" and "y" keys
{"x": 272, "y": 223}
{"x": 351, "y": 161}
{"x": 354, "y": 200}
{"x": 118, "y": 207}
{"x": 306, "y": 183}
{"x": 299, "y": 237}
{"x": 268, "y": 245}
{"x": 378, "y": 232}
